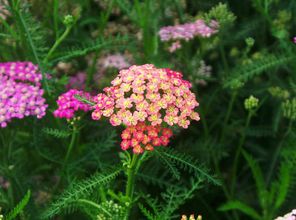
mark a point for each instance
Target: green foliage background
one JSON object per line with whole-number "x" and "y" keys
{"x": 236, "y": 163}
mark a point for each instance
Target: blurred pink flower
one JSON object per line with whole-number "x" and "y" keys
{"x": 187, "y": 32}
{"x": 77, "y": 81}
{"x": 3, "y": 10}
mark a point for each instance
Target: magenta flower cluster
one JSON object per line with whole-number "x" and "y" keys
{"x": 187, "y": 32}
{"x": 68, "y": 104}
{"x": 20, "y": 92}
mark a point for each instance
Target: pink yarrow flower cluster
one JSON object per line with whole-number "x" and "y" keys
{"x": 116, "y": 61}
{"x": 20, "y": 92}
{"x": 68, "y": 104}
{"x": 144, "y": 137}
{"x": 147, "y": 94}
{"x": 187, "y": 32}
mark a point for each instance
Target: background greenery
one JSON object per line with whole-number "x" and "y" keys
{"x": 250, "y": 152}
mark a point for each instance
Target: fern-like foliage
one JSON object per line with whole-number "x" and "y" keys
{"x": 79, "y": 190}
{"x": 146, "y": 212}
{"x": 256, "y": 67}
{"x": 33, "y": 35}
{"x": 172, "y": 198}
{"x": 175, "y": 159}
{"x": 56, "y": 132}
{"x": 240, "y": 206}
{"x": 88, "y": 47}
{"x": 19, "y": 207}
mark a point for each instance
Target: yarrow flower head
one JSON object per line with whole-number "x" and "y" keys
{"x": 147, "y": 94}
{"x": 289, "y": 216}
{"x": 20, "y": 91}
{"x": 144, "y": 137}
{"x": 187, "y": 32}
{"x": 68, "y": 104}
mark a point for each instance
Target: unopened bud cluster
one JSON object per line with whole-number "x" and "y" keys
{"x": 116, "y": 211}
{"x": 191, "y": 217}
{"x": 251, "y": 103}
{"x": 289, "y": 109}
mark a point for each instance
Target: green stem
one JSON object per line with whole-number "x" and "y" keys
{"x": 70, "y": 147}
{"x": 25, "y": 33}
{"x": 223, "y": 56}
{"x": 57, "y": 43}
{"x": 102, "y": 194}
{"x": 55, "y": 18}
{"x": 215, "y": 161}
{"x": 131, "y": 172}
{"x": 91, "y": 70}
{"x": 95, "y": 205}
{"x": 277, "y": 153}
{"x": 238, "y": 152}
{"x": 229, "y": 110}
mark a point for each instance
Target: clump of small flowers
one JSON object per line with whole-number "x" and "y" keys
{"x": 41, "y": 197}
{"x": 109, "y": 62}
{"x": 236, "y": 84}
{"x": 187, "y": 32}
{"x": 117, "y": 61}
{"x": 251, "y": 103}
{"x": 115, "y": 210}
{"x": 279, "y": 92}
{"x": 204, "y": 71}
{"x": 146, "y": 93}
{"x": 191, "y": 217}
{"x": 20, "y": 91}
{"x": 289, "y": 109}
{"x": 294, "y": 40}
{"x": 3, "y": 10}
{"x": 289, "y": 216}
{"x": 144, "y": 137}
{"x": 175, "y": 46}
{"x": 77, "y": 81}
{"x": 63, "y": 67}
{"x": 68, "y": 104}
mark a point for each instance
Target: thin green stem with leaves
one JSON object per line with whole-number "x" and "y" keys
{"x": 277, "y": 152}
{"x": 131, "y": 172}
{"x": 57, "y": 43}
{"x": 238, "y": 153}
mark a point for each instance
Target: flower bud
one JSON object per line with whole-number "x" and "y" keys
{"x": 68, "y": 20}
{"x": 250, "y": 42}
{"x": 289, "y": 109}
{"x": 251, "y": 103}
